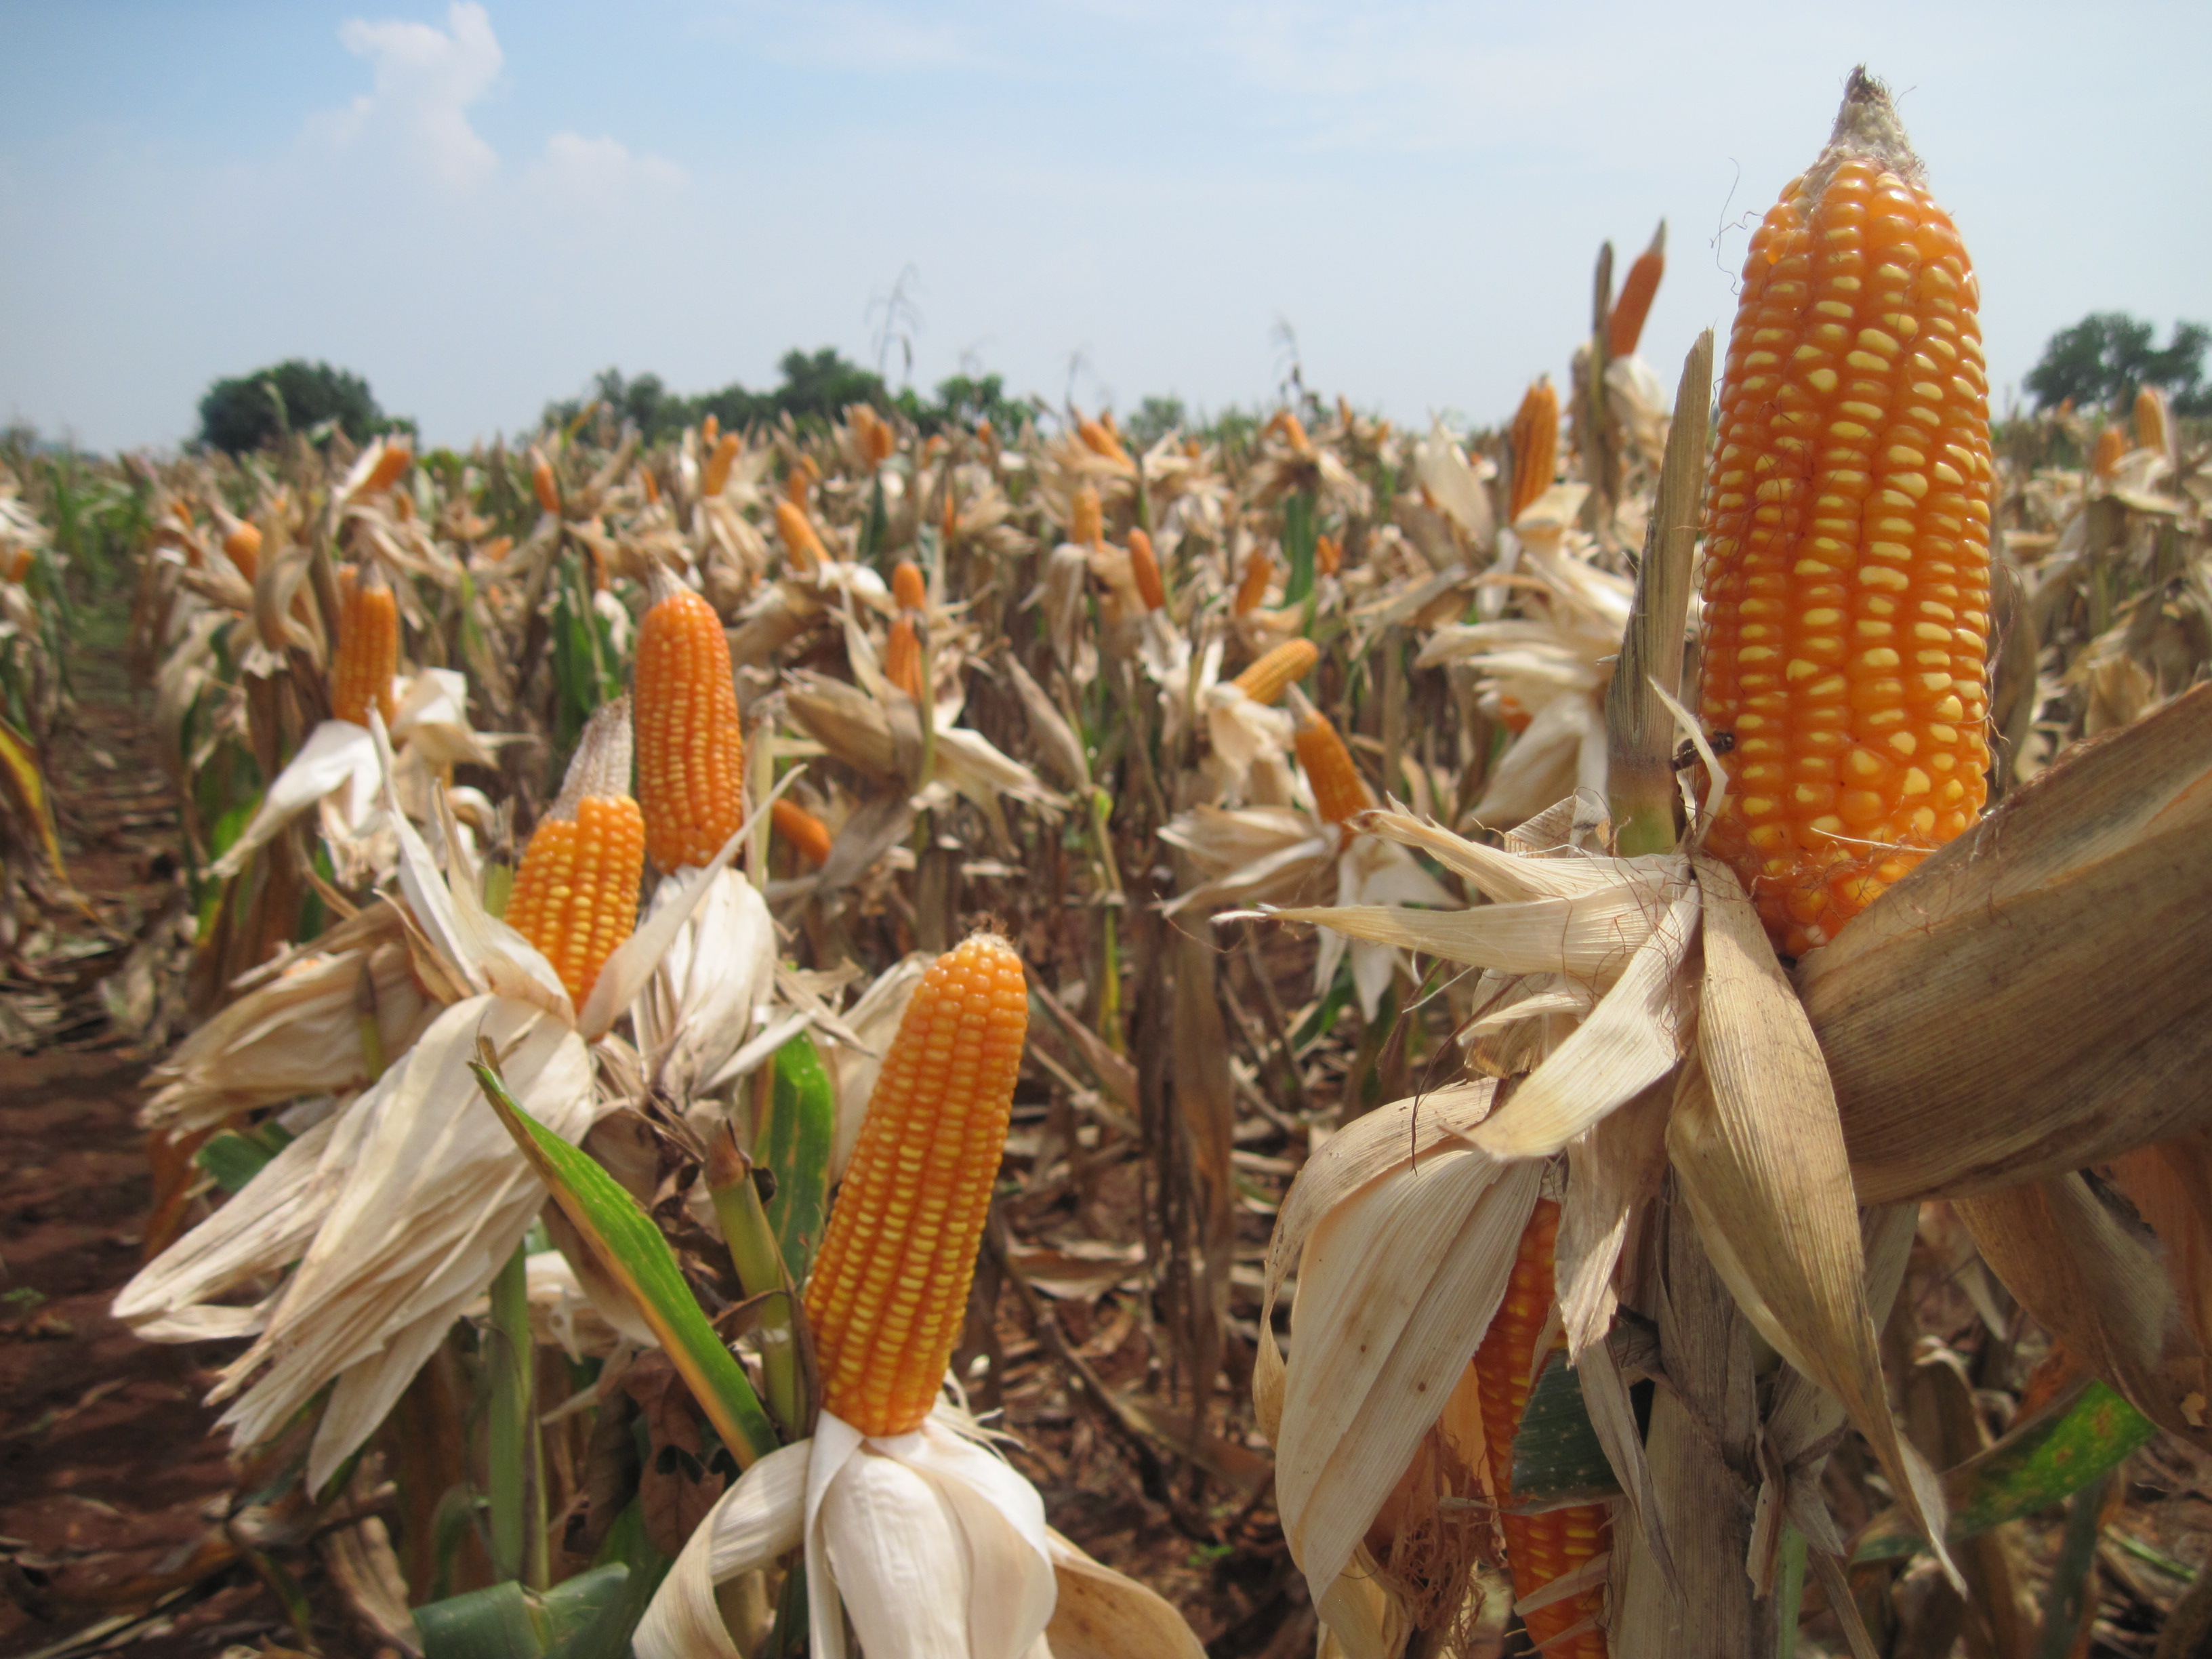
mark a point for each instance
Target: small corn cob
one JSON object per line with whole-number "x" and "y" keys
{"x": 1266, "y": 679}
{"x": 1259, "y": 571}
{"x": 691, "y": 750}
{"x": 1625, "y": 327}
{"x": 1339, "y": 790}
{"x": 1086, "y": 520}
{"x": 889, "y": 1293}
{"x": 799, "y": 541}
{"x": 799, "y": 484}
{"x": 1099, "y": 439}
{"x": 2112, "y": 445}
{"x": 243, "y": 544}
{"x": 802, "y": 830}
{"x": 1329, "y": 555}
{"x": 543, "y": 484}
{"x": 2152, "y": 429}
{"x": 1538, "y": 1548}
{"x": 1847, "y": 529}
{"x": 1145, "y": 571}
{"x": 903, "y": 658}
{"x": 876, "y": 439}
{"x": 710, "y": 431}
{"x": 368, "y": 649}
{"x": 1536, "y": 445}
{"x": 949, "y": 525}
{"x": 908, "y": 589}
{"x": 716, "y": 473}
{"x": 389, "y": 468}
{"x": 652, "y": 485}
{"x": 576, "y": 894}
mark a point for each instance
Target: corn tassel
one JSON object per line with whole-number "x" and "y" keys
{"x": 1538, "y": 1548}
{"x": 1086, "y": 520}
{"x": 1536, "y": 445}
{"x": 1145, "y": 571}
{"x": 1847, "y": 529}
{"x": 889, "y": 1293}
{"x": 803, "y": 546}
{"x": 802, "y": 830}
{"x": 1625, "y": 327}
{"x": 576, "y": 894}
{"x": 1266, "y": 679}
{"x": 1339, "y": 791}
{"x": 368, "y": 649}
{"x": 690, "y": 748}
{"x": 909, "y": 590}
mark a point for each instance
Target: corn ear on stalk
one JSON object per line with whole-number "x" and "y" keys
{"x": 797, "y": 532}
{"x": 1266, "y": 679}
{"x": 2154, "y": 429}
{"x": 1536, "y": 445}
{"x": 1847, "y": 526}
{"x": 889, "y": 1292}
{"x": 543, "y": 484}
{"x": 802, "y": 830}
{"x": 243, "y": 546}
{"x": 909, "y": 590}
{"x": 390, "y": 466}
{"x": 1625, "y": 327}
{"x": 690, "y": 748}
{"x": 716, "y": 473}
{"x": 1145, "y": 571}
{"x": 575, "y": 892}
{"x": 903, "y": 657}
{"x": 1086, "y": 520}
{"x": 2112, "y": 449}
{"x": 1339, "y": 791}
{"x": 1259, "y": 571}
{"x": 368, "y": 648}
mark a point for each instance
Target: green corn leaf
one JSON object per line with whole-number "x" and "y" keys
{"x": 588, "y": 1617}
{"x": 1557, "y": 1458}
{"x": 632, "y": 1250}
{"x": 793, "y": 1141}
{"x": 1300, "y": 539}
{"x": 2062, "y": 1449}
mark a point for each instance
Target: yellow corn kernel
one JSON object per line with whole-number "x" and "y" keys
{"x": 889, "y": 1293}
{"x": 1266, "y": 679}
{"x": 576, "y": 894}
{"x": 691, "y": 750}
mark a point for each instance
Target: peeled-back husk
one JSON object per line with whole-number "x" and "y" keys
{"x": 2037, "y": 996}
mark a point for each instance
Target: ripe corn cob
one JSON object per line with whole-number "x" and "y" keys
{"x": 691, "y": 750}
{"x": 1099, "y": 439}
{"x": 1625, "y": 327}
{"x": 390, "y": 465}
{"x": 716, "y": 473}
{"x": 652, "y": 485}
{"x": 1259, "y": 571}
{"x": 802, "y": 830}
{"x": 908, "y": 589}
{"x": 710, "y": 431}
{"x": 798, "y": 486}
{"x": 903, "y": 658}
{"x": 797, "y": 532}
{"x": 576, "y": 894}
{"x": 1086, "y": 520}
{"x": 1339, "y": 790}
{"x": 1329, "y": 555}
{"x": 948, "y": 524}
{"x": 20, "y": 564}
{"x": 368, "y": 649}
{"x": 1145, "y": 571}
{"x": 1266, "y": 679}
{"x": 2152, "y": 429}
{"x": 1538, "y": 1548}
{"x": 878, "y": 440}
{"x": 542, "y": 483}
{"x": 889, "y": 1292}
{"x": 1293, "y": 430}
{"x": 1847, "y": 530}
{"x": 1536, "y": 445}
{"x": 243, "y": 544}
{"x": 2111, "y": 445}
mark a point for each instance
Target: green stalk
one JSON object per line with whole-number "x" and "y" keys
{"x": 1639, "y": 727}
{"x": 518, "y": 1491}
{"x": 367, "y": 1027}
{"x": 761, "y": 1271}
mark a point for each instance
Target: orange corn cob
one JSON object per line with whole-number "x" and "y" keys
{"x": 1329, "y": 555}
{"x": 876, "y": 437}
{"x": 243, "y": 544}
{"x": 949, "y": 527}
{"x": 908, "y": 588}
{"x": 1536, "y": 445}
{"x": 2111, "y": 445}
{"x": 1259, "y": 571}
{"x": 716, "y": 473}
{"x": 542, "y": 483}
{"x": 691, "y": 751}
{"x": 985, "y": 434}
{"x": 368, "y": 649}
{"x": 889, "y": 1294}
{"x": 1086, "y": 520}
{"x": 1266, "y": 679}
{"x": 1538, "y": 1548}
{"x": 1145, "y": 571}
{"x": 802, "y": 830}
{"x": 798, "y": 484}
{"x": 575, "y": 894}
{"x": 1339, "y": 790}
{"x": 652, "y": 484}
{"x": 2152, "y": 431}
{"x": 389, "y": 468}
{"x": 1099, "y": 439}
{"x": 903, "y": 658}
{"x": 796, "y": 530}
{"x": 1625, "y": 327}
{"x": 1294, "y": 433}
{"x": 20, "y": 564}
{"x": 710, "y": 431}
{"x": 1847, "y": 527}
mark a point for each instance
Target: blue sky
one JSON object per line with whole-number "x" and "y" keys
{"x": 477, "y": 206}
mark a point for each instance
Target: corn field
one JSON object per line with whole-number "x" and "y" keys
{"x": 1581, "y": 1036}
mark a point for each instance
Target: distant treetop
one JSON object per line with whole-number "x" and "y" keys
{"x": 245, "y": 413}
{"x": 2108, "y": 357}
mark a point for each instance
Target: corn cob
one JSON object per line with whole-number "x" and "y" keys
{"x": 908, "y": 589}
{"x": 949, "y": 525}
{"x": 1536, "y": 445}
{"x": 796, "y": 530}
{"x": 716, "y": 473}
{"x": 1086, "y": 520}
{"x": 1293, "y": 430}
{"x": 542, "y": 483}
{"x": 243, "y": 545}
{"x": 1339, "y": 790}
{"x": 802, "y": 830}
{"x": 2152, "y": 429}
{"x": 1329, "y": 555}
{"x": 389, "y": 468}
{"x": 1259, "y": 571}
{"x": 1625, "y": 327}
{"x": 889, "y": 1292}
{"x": 576, "y": 894}
{"x": 710, "y": 431}
{"x": 651, "y": 483}
{"x": 2104, "y": 460}
{"x": 1266, "y": 679}
{"x": 985, "y": 434}
{"x": 691, "y": 751}
{"x": 1099, "y": 439}
{"x": 1847, "y": 532}
{"x": 1538, "y": 1548}
{"x": 368, "y": 649}
{"x": 1145, "y": 571}
{"x": 20, "y": 564}
{"x": 903, "y": 658}
{"x": 798, "y": 484}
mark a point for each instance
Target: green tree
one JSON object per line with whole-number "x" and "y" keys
{"x": 239, "y": 415}
{"x": 2108, "y": 355}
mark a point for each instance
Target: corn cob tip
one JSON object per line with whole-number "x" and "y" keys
{"x": 601, "y": 764}
{"x": 1867, "y": 128}
{"x": 908, "y": 587}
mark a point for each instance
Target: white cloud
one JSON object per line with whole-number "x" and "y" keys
{"x": 426, "y": 79}
{"x": 856, "y": 35}
{"x": 601, "y": 174}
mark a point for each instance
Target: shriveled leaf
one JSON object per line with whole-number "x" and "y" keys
{"x": 1103, "y": 1614}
